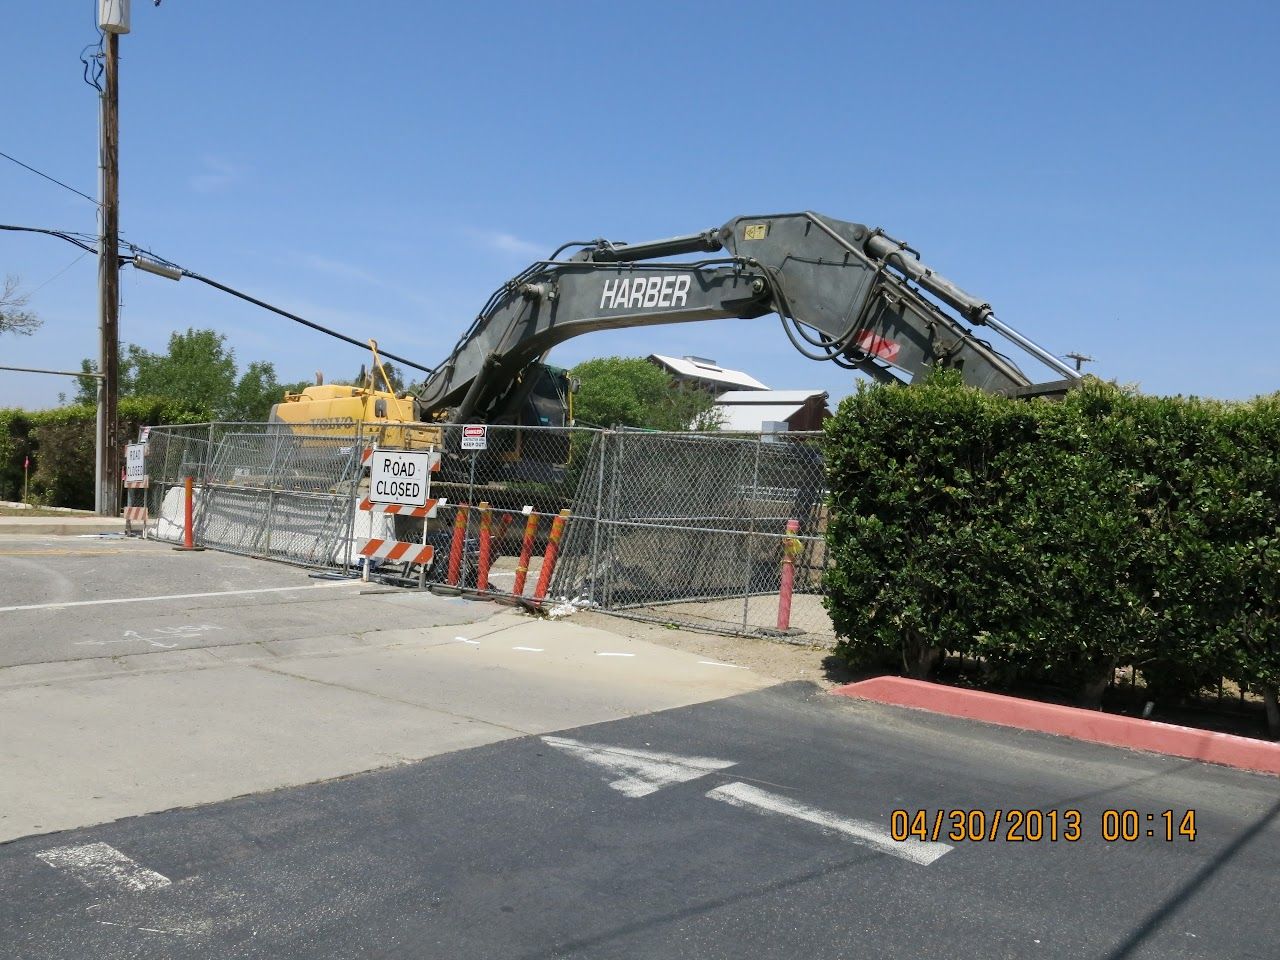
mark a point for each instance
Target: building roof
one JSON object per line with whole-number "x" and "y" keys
{"x": 769, "y": 396}
{"x": 750, "y": 416}
{"x": 699, "y": 368}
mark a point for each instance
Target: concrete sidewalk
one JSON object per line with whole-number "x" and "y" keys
{"x": 93, "y": 740}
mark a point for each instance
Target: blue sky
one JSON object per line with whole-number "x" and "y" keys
{"x": 1103, "y": 173}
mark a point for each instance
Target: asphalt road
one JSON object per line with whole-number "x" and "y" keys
{"x": 65, "y": 599}
{"x": 770, "y": 845}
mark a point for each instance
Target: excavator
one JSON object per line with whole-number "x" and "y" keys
{"x": 845, "y": 292}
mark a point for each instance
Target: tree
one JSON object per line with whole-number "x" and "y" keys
{"x": 86, "y": 387}
{"x": 255, "y": 392}
{"x": 198, "y": 372}
{"x": 632, "y": 392}
{"x": 13, "y": 318}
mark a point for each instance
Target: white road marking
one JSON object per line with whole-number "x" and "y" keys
{"x": 164, "y": 633}
{"x": 716, "y": 663}
{"x": 642, "y": 772}
{"x": 102, "y": 866}
{"x": 474, "y": 643}
{"x": 174, "y": 596}
{"x": 615, "y": 654}
{"x": 529, "y": 649}
{"x": 859, "y": 831}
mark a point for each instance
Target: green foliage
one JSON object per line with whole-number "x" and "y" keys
{"x": 60, "y": 443}
{"x": 632, "y": 392}
{"x": 254, "y": 393}
{"x": 1057, "y": 541}
{"x": 197, "y": 372}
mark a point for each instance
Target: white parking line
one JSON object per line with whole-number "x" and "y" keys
{"x": 615, "y": 654}
{"x": 529, "y": 649}
{"x": 716, "y": 663}
{"x": 474, "y": 643}
{"x": 176, "y": 596}
{"x": 100, "y": 866}
{"x": 859, "y": 831}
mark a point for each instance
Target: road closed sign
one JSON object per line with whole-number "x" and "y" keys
{"x": 400, "y": 476}
{"x": 135, "y": 462}
{"x": 475, "y": 436}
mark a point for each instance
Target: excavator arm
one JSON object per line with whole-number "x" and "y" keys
{"x": 845, "y": 293}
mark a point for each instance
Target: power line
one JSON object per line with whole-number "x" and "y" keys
{"x": 39, "y": 173}
{"x": 71, "y": 237}
{"x": 68, "y": 235}
{"x": 36, "y": 290}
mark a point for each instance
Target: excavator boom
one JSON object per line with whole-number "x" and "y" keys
{"x": 845, "y": 293}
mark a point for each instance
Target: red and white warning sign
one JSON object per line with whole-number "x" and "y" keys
{"x": 475, "y": 436}
{"x": 426, "y": 511}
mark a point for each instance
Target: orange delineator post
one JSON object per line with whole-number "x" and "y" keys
{"x": 455, "y": 547}
{"x": 482, "y": 578}
{"x": 188, "y": 516}
{"x": 790, "y": 548}
{"x": 526, "y": 550}
{"x": 549, "y": 559}
{"x": 188, "y": 513}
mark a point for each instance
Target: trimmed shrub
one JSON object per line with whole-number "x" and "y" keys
{"x": 60, "y": 443}
{"x": 1056, "y": 541}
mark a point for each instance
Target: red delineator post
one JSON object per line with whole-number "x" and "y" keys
{"x": 526, "y": 551}
{"x": 188, "y": 514}
{"x": 549, "y": 559}
{"x": 482, "y": 578}
{"x": 790, "y": 547}
{"x": 455, "y": 547}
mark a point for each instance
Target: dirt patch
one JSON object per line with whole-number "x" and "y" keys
{"x": 770, "y": 658}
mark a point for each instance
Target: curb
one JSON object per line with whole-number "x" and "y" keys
{"x": 1244, "y": 753}
{"x": 54, "y": 527}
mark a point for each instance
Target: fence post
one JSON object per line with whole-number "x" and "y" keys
{"x": 594, "y": 569}
{"x": 790, "y": 547}
{"x": 354, "y": 469}
{"x": 549, "y": 559}
{"x": 612, "y": 532}
{"x": 750, "y": 533}
{"x": 526, "y": 550}
{"x": 482, "y": 575}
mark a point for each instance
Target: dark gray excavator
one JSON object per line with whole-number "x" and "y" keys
{"x": 845, "y": 292}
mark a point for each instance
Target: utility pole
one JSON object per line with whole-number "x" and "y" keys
{"x": 113, "y": 18}
{"x": 1080, "y": 360}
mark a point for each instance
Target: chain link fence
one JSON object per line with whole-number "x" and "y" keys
{"x": 700, "y": 530}
{"x": 696, "y": 529}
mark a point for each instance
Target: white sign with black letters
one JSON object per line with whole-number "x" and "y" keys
{"x": 400, "y": 476}
{"x": 135, "y": 462}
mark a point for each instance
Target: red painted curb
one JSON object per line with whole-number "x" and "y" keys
{"x": 1091, "y": 725}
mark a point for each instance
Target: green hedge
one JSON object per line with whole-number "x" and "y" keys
{"x": 60, "y": 443}
{"x": 1056, "y": 541}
